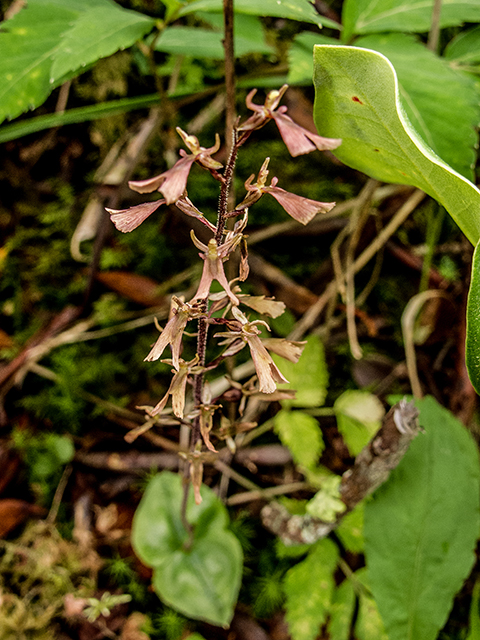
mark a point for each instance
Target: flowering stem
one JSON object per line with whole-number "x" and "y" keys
{"x": 223, "y": 200}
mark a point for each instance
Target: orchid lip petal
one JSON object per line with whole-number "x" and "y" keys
{"x": 126, "y": 220}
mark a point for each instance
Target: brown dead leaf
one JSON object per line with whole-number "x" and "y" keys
{"x": 15, "y": 512}
{"x": 135, "y": 287}
{"x": 5, "y": 340}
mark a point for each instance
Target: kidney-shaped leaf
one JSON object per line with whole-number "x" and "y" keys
{"x": 422, "y": 525}
{"x": 201, "y": 581}
{"x": 357, "y": 99}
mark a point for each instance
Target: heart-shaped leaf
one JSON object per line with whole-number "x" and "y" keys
{"x": 201, "y": 580}
{"x": 357, "y": 99}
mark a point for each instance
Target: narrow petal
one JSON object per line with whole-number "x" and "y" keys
{"x": 176, "y": 179}
{"x": 298, "y": 139}
{"x": 268, "y": 306}
{"x": 129, "y": 219}
{"x": 288, "y": 349}
{"x": 178, "y": 387}
{"x": 267, "y": 371}
{"x": 146, "y": 186}
{"x": 171, "y": 335}
{"x": 302, "y": 209}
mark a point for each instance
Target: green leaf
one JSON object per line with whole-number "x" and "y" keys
{"x": 56, "y": 33}
{"x": 308, "y": 376}
{"x": 291, "y": 9}
{"x": 369, "y": 625}
{"x": 359, "y": 416}
{"x": 422, "y": 525}
{"x": 309, "y": 588}
{"x": 300, "y": 59}
{"x": 464, "y": 49}
{"x": 357, "y": 99}
{"x": 472, "y": 342}
{"x": 301, "y": 434}
{"x": 441, "y": 103}
{"x": 341, "y": 614}
{"x": 203, "y": 43}
{"x": 326, "y": 503}
{"x": 350, "y": 530}
{"x": 203, "y": 581}
{"x": 371, "y": 16}
{"x": 95, "y": 34}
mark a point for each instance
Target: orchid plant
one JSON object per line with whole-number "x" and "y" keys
{"x": 236, "y": 330}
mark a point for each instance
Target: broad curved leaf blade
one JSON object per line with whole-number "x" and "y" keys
{"x": 203, "y": 581}
{"x": 422, "y": 525}
{"x": 372, "y": 16}
{"x": 357, "y": 99}
{"x": 441, "y": 103}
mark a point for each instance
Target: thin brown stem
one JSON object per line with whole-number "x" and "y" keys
{"x": 434, "y": 34}
{"x": 228, "y": 45}
{"x": 225, "y": 188}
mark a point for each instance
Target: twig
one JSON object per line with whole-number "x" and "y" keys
{"x": 371, "y": 469}
{"x": 266, "y": 494}
{"x": 57, "y": 498}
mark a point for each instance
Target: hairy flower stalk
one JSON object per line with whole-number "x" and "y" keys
{"x": 204, "y": 308}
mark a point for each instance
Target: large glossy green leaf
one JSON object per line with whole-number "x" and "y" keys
{"x": 292, "y": 9}
{"x": 422, "y": 525}
{"x": 372, "y": 16}
{"x": 201, "y": 582}
{"x": 309, "y": 587}
{"x": 51, "y": 39}
{"x": 441, "y": 103}
{"x": 357, "y": 99}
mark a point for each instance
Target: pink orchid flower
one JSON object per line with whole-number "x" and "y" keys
{"x": 172, "y": 183}
{"x": 301, "y": 209}
{"x": 297, "y": 139}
